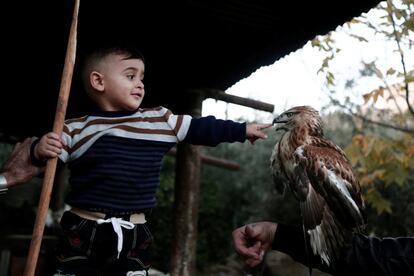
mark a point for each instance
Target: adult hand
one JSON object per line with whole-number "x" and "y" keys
{"x": 253, "y": 240}
{"x": 18, "y": 168}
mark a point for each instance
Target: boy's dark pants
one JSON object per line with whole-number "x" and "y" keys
{"x": 89, "y": 248}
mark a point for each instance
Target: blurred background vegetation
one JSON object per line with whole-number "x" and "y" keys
{"x": 378, "y": 139}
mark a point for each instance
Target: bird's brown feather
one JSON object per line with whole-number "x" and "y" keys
{"x": 321, "y": 177}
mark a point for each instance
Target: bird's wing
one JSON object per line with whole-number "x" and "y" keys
{"x": 279, "y": 177}
{"x": 331, "y": 176}
{"x": 333, "y": 203}
{"x": 326, "y": 235}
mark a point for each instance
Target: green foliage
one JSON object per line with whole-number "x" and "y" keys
{"x": 217, "y": 215}
{"x": 227, "y": 199}
{"x": 380, "y": 163}
{"x": 381, "y": 149}
{"x": 230, "y": 199}
{"x": 401, "y": 221}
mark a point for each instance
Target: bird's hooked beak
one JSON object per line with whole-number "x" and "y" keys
{"x": 281, "y": 119}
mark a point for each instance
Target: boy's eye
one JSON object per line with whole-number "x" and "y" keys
{"x": 131, "y": 77}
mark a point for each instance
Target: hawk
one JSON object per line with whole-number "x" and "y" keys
{"x": 321, "y": 178}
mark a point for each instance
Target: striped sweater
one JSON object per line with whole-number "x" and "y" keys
{"x": 115, "y": 158}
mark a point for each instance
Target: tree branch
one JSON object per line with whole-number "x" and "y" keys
{"x": 402, "y": 129}
{"x": 407, "y": 91}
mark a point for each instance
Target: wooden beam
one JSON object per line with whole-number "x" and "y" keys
{"x": 220, "y": 95}
{"x": 213, "y": 161}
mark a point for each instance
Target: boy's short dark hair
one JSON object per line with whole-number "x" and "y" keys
{"x": 99, "y": 52}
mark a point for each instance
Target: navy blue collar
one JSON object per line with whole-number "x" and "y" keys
{"x": 122, "y": 113}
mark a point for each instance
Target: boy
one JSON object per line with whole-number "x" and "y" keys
{"x": 115, "y": 156}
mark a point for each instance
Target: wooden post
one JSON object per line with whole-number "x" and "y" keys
{"x": 187, "y": 186}
{"x": 51, "y": 164}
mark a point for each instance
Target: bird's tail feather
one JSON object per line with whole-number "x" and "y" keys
{"x": 306, "y": 239}
{"x": 326, "y": 234}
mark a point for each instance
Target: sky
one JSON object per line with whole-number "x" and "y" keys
{"x": 293, "y": 80}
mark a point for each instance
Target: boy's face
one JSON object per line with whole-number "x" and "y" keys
{"x": 122, "y": 83}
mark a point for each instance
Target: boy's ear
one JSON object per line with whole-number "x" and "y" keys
{"x": 96, "y": 80}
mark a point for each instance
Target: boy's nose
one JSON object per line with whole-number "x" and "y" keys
{"x": 140, "y": 84}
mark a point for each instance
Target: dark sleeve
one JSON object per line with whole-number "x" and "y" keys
{"x": 209, "y": 131}
{"x": 363, "y": 256}
{"x": 290, "y": 240}
{"x": 375, "y": 256}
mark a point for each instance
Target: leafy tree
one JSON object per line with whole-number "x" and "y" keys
{"x": 382, "y": 146}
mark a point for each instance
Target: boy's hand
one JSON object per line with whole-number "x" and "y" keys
{"x": 49, "y": 146}
{"x": 254, "y": 132}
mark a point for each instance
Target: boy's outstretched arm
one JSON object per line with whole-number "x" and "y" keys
{"x": 254, "y": 132}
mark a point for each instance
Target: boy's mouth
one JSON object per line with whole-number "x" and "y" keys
{"x": 137, "y": 95}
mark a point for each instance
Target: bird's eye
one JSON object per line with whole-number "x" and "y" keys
{"x": 289, "y": 114}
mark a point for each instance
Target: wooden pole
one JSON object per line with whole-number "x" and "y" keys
{"x": 187, "y": 188}
{"x": 51, "y": 164}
